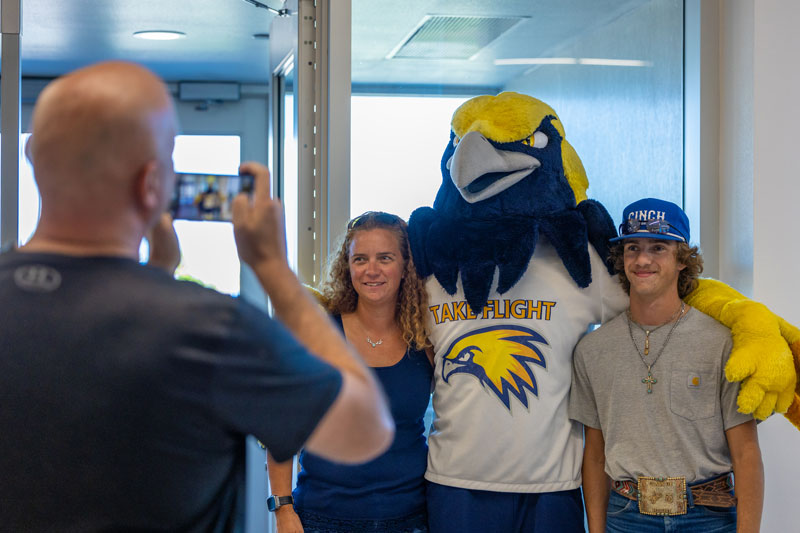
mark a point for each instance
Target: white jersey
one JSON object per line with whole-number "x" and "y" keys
{"x": 502, "y": 377}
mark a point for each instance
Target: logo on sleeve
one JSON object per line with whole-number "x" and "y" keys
{"x": 37, "y": 278}
{"x": 500, "y": 357}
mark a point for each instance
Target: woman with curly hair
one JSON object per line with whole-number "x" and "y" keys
{"x": 375, "y": 296}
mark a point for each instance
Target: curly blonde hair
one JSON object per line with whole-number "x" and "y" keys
{"x": 340, "y": 297}
{"x": 685, "y": 255}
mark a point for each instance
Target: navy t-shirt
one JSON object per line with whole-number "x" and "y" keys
{"x": 126, "y": 396}
{"x": 392, "y": 485}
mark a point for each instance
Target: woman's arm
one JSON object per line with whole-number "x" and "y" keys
{"x": 748, "y": 472}
{"x": 280, "y": 484}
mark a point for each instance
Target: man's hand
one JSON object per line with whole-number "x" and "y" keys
{"x": 258, "y": 221}
{"x": 164, "y": 250}
{"x": 287, "y": 520}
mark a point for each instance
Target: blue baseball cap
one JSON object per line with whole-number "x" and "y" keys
{"x": 651, "y": 218}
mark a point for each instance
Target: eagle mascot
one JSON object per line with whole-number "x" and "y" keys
{"x": 514, "y": 257}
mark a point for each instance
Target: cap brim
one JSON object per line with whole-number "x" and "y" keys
{"x": 647, "y": 235}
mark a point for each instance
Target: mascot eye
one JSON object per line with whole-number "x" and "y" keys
{"x": 464, "y": 356}
{"x": 539, "y": 139}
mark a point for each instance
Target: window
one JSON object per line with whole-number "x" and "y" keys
{"x": 398, "y": 171}
{"x": 614, "y": 74}
{"x": 208, "y": 250}
{"x": 29, "y": 202}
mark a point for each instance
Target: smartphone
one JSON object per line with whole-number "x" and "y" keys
{"x": 207, "y": 196}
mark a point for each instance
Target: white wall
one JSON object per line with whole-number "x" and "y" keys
{"x": 776, "y": 255}
{"x": 626, "y": 124}
{"x": 736, "y": 144}
{"x": 760, "y": 112}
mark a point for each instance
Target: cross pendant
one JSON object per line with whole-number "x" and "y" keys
{"x": 650, "y": 380}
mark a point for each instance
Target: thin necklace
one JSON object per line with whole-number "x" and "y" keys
{"x": 647, "y": 332}
{"x": 372, "y": 343}
{"x": 650, "y": 380}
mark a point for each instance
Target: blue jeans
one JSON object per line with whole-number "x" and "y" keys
{"x": 315, "y": 523}
{"x": 624, "y": 517}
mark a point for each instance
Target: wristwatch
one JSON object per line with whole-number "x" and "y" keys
{"x": 276, "y": 502}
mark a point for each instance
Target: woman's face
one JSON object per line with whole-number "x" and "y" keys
{"x": 376, "y": 265}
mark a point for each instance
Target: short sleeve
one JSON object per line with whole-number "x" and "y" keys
{"x": 268, "y": 385}
{"x": 582, "y": 406}
{"x": 729, "y": 392}
{"x": 615, "y": 300}
{"x": 609, "y": 292}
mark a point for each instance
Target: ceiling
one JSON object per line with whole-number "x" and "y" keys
{"x": 60, "y": 35}
{"x": 549, "y": 25}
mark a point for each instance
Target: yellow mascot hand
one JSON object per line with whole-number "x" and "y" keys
{"x": 792, "y": 336}
{"x": 761, "y": 356}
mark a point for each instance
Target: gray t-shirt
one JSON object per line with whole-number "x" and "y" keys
{"x": 679, "y": 428}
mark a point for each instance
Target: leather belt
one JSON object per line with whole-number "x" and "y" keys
{"x": 713, "y": 493}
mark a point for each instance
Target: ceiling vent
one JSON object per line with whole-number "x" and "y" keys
{"x": 451, "y": 37}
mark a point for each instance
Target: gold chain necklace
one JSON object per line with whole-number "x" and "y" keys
{"x": 647, "y": 332}
{"x": 650, "y": 380}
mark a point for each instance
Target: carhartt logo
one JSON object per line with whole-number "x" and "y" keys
{"x": 694, "y": 381}
{"x": 37, "y": 278}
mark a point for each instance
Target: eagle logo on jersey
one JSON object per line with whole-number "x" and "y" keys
{"x": 500, "y": 357}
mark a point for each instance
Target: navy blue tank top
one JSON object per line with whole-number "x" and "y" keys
{"x": 391, "y": 485}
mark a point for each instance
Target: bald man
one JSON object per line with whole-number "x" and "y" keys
{"x": 125, "y": 396}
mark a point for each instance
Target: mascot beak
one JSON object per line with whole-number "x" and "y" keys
{"x": 448, "y": 367}
{"x": 480, "y": 171}
{"x": 459, "y": 363}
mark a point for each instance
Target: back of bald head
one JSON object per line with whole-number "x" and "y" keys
{"x": 95, "y": 128}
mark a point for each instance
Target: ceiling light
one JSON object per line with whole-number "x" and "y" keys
{"x": 537, "y": 61}
{"x": 615, "y": 62}
{"x": 159, "y": 35}
{"x": 573, "y": 61}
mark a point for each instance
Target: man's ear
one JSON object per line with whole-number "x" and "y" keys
{"x": 147, "y": 187}
{"x": 681, "y": 266}
{"x": 29, "y": 149}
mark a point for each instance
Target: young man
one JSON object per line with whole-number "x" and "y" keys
{"x": 662, "y": 432}
{"x": 126, "y": 395}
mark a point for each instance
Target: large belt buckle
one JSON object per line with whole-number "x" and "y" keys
{"x": 662, "y": 496}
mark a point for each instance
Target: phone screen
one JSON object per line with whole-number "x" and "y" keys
{"x": 207, "y": 196}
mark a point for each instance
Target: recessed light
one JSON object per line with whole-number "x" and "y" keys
{"x": 159, "y": 35}
{"x": 537, "y": 61}
{"x": 573, "y": 61}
